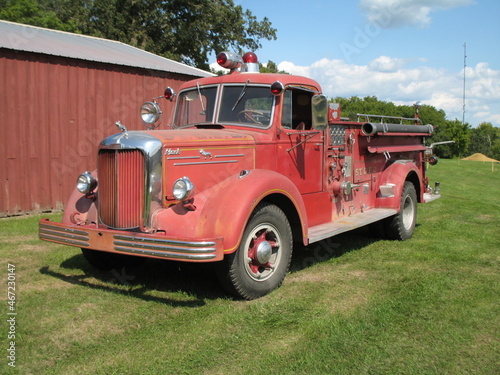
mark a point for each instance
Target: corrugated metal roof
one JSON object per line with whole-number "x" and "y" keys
{"x": 59, "y": 43}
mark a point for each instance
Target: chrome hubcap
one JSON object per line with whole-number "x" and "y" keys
{"x": 262, "y": 249}
{"x": 264, "y": 252}
{"x": 408, "y": 213}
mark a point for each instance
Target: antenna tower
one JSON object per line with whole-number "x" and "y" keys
{"x": 463, "y": 98}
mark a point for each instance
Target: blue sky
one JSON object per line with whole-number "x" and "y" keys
{"x": 397, "y": 50}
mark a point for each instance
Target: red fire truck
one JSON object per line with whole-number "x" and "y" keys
{"x": 250, "y": 164}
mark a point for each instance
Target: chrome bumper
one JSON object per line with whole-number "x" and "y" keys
{"x": 142, "y": 244}
{"x": 428, "y": 197}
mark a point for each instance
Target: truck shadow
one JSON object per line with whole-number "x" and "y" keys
{"x": 333, "y": 247}
{"x": 154, "y": 280}
{"x": 161, "y": 280}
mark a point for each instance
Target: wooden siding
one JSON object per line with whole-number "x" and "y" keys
{"x": 54, "y": 111}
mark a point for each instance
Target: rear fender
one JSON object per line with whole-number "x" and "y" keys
{"x": 223, "y": 210}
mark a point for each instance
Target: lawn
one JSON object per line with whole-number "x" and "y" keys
{"x": 353, "y": 304}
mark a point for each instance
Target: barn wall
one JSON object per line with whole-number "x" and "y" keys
{"x": 54, "y": 111}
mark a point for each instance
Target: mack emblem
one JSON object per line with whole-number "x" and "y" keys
{"x": 170, "y": 151}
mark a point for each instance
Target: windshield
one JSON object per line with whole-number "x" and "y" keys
{"x": 196, "y": 106}
{"x": 241, "y": 104}
{"x": 246, "y": 105}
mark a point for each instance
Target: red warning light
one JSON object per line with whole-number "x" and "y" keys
{"x": 250, "y": 57}
{"x": 277, "y": 88}
{"x": 169, "y": 93}
{"x": 221, "y": 58}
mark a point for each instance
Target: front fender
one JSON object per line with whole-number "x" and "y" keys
{"x": 223, "y": 210}
{"x": 80, "y": 209}
{"x": 397, "y": 173}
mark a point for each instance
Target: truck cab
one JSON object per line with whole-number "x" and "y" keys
{"x": 248, "y": 165}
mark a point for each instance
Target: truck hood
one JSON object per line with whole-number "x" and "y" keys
{"x": 204, "y": 137}
{"x": 206, "y": 156}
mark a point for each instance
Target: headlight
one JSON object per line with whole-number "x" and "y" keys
{"x": 86, "y": 183}
{"x": 150, "y": 114}
{"x": 182, "y": 188}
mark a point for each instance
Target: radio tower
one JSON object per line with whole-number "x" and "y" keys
{"x": 463, "y": 99}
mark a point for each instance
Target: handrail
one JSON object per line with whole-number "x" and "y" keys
{"x": 401, "y": 119}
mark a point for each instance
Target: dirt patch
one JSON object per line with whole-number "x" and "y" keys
{"x": 480, "y": 157}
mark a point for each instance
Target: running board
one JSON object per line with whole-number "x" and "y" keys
{"x": 344, "y": 224}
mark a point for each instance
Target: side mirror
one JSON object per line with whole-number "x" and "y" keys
{"x": 319, "y": 112}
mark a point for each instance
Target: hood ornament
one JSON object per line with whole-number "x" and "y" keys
{"x": 122, "y": 128}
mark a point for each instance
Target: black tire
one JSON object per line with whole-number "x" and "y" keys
{"x": 263, "y": 257}
{"x": 105, "y": 261}
{"x": 402, "y": 225}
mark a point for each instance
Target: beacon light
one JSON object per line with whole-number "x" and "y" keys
{"x": 229, "y": 60}
{"x": 250, "y": 63}
{"x": 250, "y": 57}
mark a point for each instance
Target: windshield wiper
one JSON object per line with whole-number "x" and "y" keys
{"x": 243, "y": 92}
{"x": 199, "y": 96}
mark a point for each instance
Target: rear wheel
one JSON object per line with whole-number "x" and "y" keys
{"x": 402, "y": 225}
{"x": 262, "y": 260}
{"x": 105, "y": 261}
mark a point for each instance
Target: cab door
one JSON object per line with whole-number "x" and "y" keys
{"x": 300, "y": 147}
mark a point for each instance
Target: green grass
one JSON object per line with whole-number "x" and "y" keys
{"x": 353, "y": 304}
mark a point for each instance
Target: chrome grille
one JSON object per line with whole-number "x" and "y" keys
{"x": 121, "y": 188}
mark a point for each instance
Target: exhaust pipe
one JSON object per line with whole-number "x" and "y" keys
{"x": 371, "y": 128}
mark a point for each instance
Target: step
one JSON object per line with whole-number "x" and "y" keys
{"x": 347, "y": 223}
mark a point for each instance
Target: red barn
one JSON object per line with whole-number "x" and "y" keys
{"x": 60, "y": 94}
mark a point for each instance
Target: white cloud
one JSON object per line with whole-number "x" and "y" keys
{"x": 398, "y": 13}
{"x": 387, "y": 64}
{"x": 389, "y": 80}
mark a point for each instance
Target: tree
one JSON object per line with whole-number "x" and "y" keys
{"x": 371, "y": 105}
{"x": 270, "y": 67}
{"x": 182, "y": 30}
{"x": 451, "y": 131}
{"x": 33, "y": 12}
{"x": 485, "y": 139}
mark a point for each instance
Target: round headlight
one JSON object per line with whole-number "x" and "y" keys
{"x": 150, "y": 114}
{"x": 182, "y": 188}
{"x": 86, "y": 183}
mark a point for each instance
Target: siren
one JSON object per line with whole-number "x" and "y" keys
{"x": 229, "y": 60}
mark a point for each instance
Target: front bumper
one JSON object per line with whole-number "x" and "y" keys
{"x": 123, "y": 242}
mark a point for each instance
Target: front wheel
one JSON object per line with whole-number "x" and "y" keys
{"x": 263, "y": 257}
{"x": 402, "y": 225}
